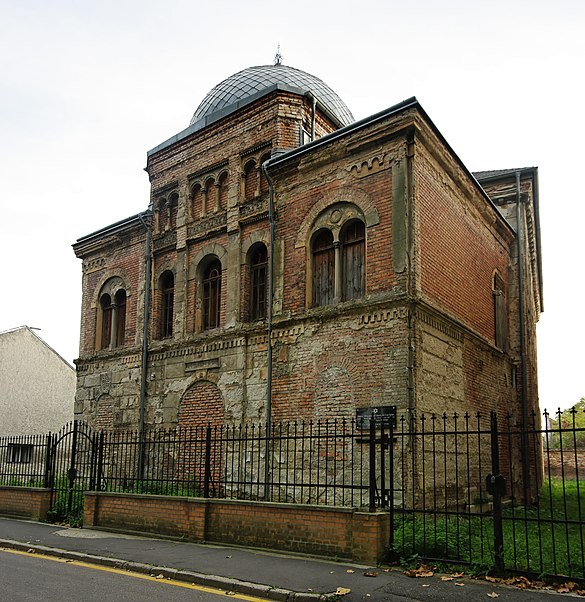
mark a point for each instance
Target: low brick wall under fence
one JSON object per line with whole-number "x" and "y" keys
{"x": 25, "y": 502}
{"x": 320, "y": 530}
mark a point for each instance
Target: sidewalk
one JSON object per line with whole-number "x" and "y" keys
{"x": 263, "y": 574}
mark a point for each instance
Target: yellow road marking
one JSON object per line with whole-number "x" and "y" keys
{"x": 97, "y": 567}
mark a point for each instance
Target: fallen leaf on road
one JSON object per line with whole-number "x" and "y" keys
{"x": 342, "y": 591}
{"x": 161, "y": 576}
{"x": 386, "y": 570}
{"x": 331, "y": 572}
{"x": 494, "y": 595}
{"x": 230, "y": 593}
{"x": 422, "y": 571}
{"x": 457, "y": 575}
{"x": 350, "y": 571}
{"x": 30, "y": 551}
{"x": 228, "y": 556}
{"x": 370, "y": 574}
{"x": 460, "y": 584}
{"x": 426, "y": 585}
{"x": 445, "y": 578}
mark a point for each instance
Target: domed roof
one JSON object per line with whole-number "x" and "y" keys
{"x": 251, "y": 83}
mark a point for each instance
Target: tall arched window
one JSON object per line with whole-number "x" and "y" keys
{"x": 258, "y": 282}
{"x": 167, "y": 283}
{"x": 323, "y": 252}
{"x": 120, "y": 318}
{"x": 223, "y": 191}
{"x": 196, "y": 202}
{"x": 211, "y": 294}
{"x": 106, "y": 317}
{"x": 111, "y": 315}
{"x": 353, "y": 239}
{"x": 210, "y": 196}
{"x": 250, "y": 180}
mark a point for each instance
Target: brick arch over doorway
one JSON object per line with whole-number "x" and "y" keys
{"x": 201, "y": 404}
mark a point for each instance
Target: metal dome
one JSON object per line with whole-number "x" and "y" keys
{"x": 249, "y": 84}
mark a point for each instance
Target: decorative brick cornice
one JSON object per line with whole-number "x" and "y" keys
{"x": 255, "y": 148}
{"x": 439, "y": 324}
{"x": 164, "y": 189}
{"x": 385, "y": 315}
{"x": 209, "y": 170}
{"x": 93, "y": 265}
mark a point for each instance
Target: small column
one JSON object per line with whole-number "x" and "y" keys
{"x": 217, "y": 207}
{"x": 338, "y": 272}
{"x": 203, "y": 203}
{"x": 113, "y": 325}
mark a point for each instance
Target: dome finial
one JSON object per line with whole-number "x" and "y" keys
{"x": 278, "y": 58}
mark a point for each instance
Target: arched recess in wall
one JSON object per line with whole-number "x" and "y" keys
{"x": 104, "y": 413}
{"x": 202, "y": 403}
{"x": 333, "y": 397}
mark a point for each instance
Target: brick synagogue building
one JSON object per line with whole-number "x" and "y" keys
{"x": 381, "y": 269}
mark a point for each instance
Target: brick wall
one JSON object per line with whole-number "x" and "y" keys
{"x": 25, "y": 502}
{"x": 325, "y": 531}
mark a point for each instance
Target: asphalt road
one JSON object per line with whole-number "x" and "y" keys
{"x": 30, "y": 578}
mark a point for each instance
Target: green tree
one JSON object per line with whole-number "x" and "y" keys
{"x": 568, "y": 427}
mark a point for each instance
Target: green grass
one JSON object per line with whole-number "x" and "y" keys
{"x": 536, "y": 539}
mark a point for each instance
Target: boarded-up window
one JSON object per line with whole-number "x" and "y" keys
{"x": 323, "y": 268}
{"x": 258, "y": 280}
{"x": 353, "y": 261}
{"x": 106, "y": 331}
{"x": 500, "y": 313}
{"x": 211, "y": 295}
{"x": 167, "y": 303}
{"x": 120, "y": 318}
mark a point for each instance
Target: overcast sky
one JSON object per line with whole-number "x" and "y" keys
{"x": 86, "y": 88}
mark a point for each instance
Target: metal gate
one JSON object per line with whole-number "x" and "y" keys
{"x": 71, "y": 468}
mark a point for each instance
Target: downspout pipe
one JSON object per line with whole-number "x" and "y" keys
{"x": 523, "y": 374}
{"x": 269, "y": 329}
{"x": 144, "y": 365}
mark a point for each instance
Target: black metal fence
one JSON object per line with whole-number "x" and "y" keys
{"x": 492, "y": 492}
{"x": 479, "y": 490}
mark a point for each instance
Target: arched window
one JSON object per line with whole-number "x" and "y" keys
{"x": 211, "y": 294}
{"x": 250, "y": 180}
{"x": 162, "y": 216}
{"x": 172, "y": 211}
{"x": 223, "y": 191}
{"x": 106, "y": 321}
{"x": 353, "y": 239}
{"x": 323, "y": 252}
{"x": 111, "y": 319}
{"x": 258, "y": 281}
{"x": 196, "y": 202}
{"x": 167, "y": 285}
{"x": 210, "y": 196}
{"x": 120, "y": 318}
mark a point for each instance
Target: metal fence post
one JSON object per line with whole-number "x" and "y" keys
{"x": 372, "y": 465}
{"x": 48, "y": 452}
{"x": 496, "y": 485}
{"x": 100, "y": 462}
{"x": 207, "y": 474}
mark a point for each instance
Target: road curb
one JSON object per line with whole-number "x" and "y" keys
{"x": 213, "y": 581}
